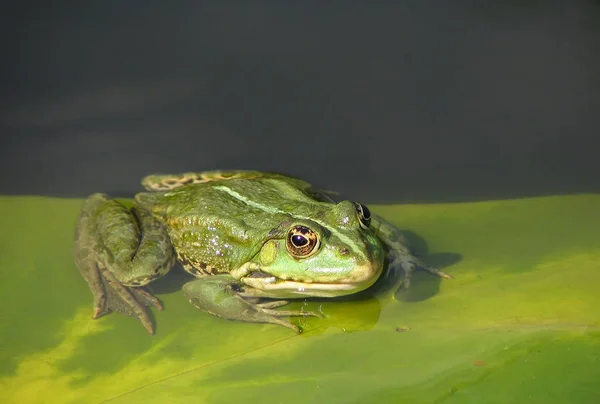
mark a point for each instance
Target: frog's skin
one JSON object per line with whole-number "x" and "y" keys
{"x": 245, "y": 235}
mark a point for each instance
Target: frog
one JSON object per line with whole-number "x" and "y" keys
{"x": 253, "y": 241}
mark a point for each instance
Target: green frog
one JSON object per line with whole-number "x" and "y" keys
{"x": 253, "y": 240}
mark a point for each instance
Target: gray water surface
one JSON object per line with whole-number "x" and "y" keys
{"x": 386, "y": 102}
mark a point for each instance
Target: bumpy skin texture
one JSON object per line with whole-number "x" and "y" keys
{"x": 243, "y": 234}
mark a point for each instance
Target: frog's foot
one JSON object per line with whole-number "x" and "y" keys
{"x": 118, "y": 251}
{"x": 410, "y": 263}
{"x": 399, "y": 251}
{"x": 219, "y": 295}
{"x": 114, "y": 296}
{"x": 267, "y": 308}
{"x": 110, "y": 295}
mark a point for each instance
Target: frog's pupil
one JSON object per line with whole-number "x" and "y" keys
{"x": 363, "y": 213}
{"x": 366, "y": 212}
{"x": 299, "y": 240}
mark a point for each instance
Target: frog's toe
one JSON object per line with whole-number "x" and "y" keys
{"x": 407, "y": 281}
{"x": 285, "y": 323}
{"x": 292, "y": 313}
{"x": 272, "y": 305}
{"x": 89, "y": 270}
{"x": 147, "y": 298}
{"x": 268, "y": 315}
{"x": 129, "y": 301}
{"x": 409, "y": 264}
{"x": 436, "y": 272}
{"x": 99, "y": 311}
{"x": 100, "y": 308}
{"x": 268, "y": 307}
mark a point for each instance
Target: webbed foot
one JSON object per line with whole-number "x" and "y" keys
{"x": 219, "y": 295}
{"x": 114, "y": 296}
{"x": 399, "y": 251}
{"x": 410, "y": 263}
{"x": 118, "y": 251}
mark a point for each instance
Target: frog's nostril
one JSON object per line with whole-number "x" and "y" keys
{"x": 343, "y": 250}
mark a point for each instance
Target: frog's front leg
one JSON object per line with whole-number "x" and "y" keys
{"x": 118, "y": 251}
{"x": 221, "y": 295}
{"x": 399, "y": 253}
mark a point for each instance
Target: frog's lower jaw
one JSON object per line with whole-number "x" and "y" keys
{"x": 291, "y": 289}
{"x": 219, "y": 295}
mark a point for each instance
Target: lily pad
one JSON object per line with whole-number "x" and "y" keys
{"x": 519, "y": 323}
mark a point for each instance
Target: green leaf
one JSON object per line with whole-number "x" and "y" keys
{"x": 519, "y": 323}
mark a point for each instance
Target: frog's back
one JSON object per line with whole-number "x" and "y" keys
{"x": 235, "y": 211}
{"x": 166, "y": 182}
{"x": 226, "y": 193}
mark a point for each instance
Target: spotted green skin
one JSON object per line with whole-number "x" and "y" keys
{"x": 229, "y": 229}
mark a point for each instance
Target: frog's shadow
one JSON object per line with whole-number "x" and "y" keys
{"x": 424, "y": 285}
{"x": 172, "y": 282}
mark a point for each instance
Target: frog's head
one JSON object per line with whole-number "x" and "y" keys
{"x": 330, "y": 253}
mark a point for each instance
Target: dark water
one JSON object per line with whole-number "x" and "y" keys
{"x": 417, "y": 101}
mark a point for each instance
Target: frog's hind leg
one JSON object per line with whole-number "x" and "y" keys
{"x": 118, "y": 251}
{"x": 166, "y": 182}
{"x": 221, "y": 295}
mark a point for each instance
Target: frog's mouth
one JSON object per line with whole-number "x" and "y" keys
{"x": 267, "y": 285}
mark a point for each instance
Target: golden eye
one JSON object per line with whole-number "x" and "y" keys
{"x": 364, "y": 215}
{"x": 301, "y": 241}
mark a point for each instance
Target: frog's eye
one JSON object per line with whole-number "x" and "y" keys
{"x": 302, "y": 242}
{"x": 364, "y": 215}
